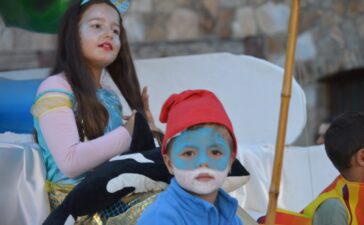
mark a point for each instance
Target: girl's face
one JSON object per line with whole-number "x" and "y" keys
{"x": 99, "y": 34}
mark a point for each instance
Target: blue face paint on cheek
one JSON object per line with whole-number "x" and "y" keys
{"x": 203, "y": 146}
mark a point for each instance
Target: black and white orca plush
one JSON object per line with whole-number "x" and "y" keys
{"x": 140, "y": 170}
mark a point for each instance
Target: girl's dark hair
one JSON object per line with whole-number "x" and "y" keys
{"x": 92, "y": 116}
{"x": 344, "y": 138}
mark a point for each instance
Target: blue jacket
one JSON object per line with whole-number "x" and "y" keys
{"x": 178, "y": 207}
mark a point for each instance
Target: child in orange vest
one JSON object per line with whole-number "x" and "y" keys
{"x": 342, "y": 202}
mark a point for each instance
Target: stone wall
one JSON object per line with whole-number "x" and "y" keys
{"x": 330, "y": 37}
{"x": 20, "y": 49}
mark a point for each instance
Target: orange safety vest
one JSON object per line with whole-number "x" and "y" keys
{"x": 351, "y": 195}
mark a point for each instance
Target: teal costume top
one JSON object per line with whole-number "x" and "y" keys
{"x": 111, "y": 102}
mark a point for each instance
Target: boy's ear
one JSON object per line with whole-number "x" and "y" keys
{"x": 168, "y": 163}
{"x": 359, "y": 157}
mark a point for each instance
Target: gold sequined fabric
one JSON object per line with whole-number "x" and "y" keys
{"x": 58, "y": 192}
{"x": 131, "y": 216}
{"x": 136, "y": 204}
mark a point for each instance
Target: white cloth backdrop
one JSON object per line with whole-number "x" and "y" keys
{"x": 250, "y": 90}
{"x": 23, "y": 199}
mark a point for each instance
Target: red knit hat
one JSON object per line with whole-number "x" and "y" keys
{"x": 190, "y": 108}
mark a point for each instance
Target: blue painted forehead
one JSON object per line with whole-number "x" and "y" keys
{"x": 221, "y": 129}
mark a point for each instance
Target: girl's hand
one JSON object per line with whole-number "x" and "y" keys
{"x": 129, "y": 125}
{"x": 148, "y": 113}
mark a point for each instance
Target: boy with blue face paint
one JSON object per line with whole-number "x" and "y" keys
{"x": 198, "y": 148}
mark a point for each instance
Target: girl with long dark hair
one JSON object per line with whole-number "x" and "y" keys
{"x": 79, "y": 123}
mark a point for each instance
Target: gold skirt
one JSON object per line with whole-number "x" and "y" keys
{"x": 136, "y": 204}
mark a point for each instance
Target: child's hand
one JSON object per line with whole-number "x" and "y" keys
{"x": 148, "y": 113}
{"x": 129, "y": 125}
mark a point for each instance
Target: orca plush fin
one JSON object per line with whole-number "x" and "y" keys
{"x": 142, "y": 138}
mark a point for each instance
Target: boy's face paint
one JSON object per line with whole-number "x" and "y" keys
{"x": 201, "y": 181}
{"x": 204, "y": 146}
